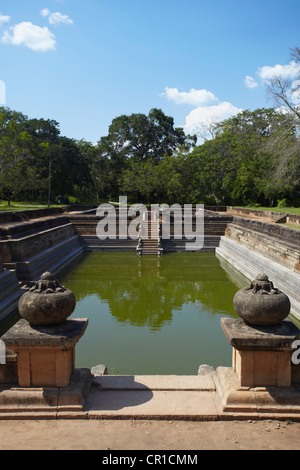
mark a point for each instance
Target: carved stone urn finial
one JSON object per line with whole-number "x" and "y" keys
{"x": 47, "y": 302}
{"x": 261, "y": 303}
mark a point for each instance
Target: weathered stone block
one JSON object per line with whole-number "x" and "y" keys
{"x": 263, "y": 368}
{"x": 261, "y": 355}
{"x": 46, "y": 355}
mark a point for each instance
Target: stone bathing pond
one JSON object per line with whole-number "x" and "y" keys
{"x": 149, "y": 316}
{"x": 153, "y": 315}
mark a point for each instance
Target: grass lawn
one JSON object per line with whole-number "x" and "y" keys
{"x": 291, "y": 210}
{"x": 297, "y": 227}
{"x": 23, "y": 206}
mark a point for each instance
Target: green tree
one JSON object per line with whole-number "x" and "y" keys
{"x": 138, "y": 181}
{"x": 137, "y": 138}
{"x": 143, "y": 137}
{"x": 16, "y": 171}
{"x": 241, "y": 164}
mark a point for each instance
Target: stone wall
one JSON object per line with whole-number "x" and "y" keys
{"x": 19, "y": 249}
{"x": 277, "y": 217}
{"x": 263, "y": 214}
{"x": 281, "y": 244}
{"x": 9, "y": 291}
{"x": 35, "y": 246}
{"x": 253, "y": 246}
{"x": 54, "y": 259}
{"x": 214, "y": 228}
{"x": 293, "y": 219}
{"x": 21, "y": 216}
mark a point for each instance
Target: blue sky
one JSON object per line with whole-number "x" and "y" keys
{"x": 83, "y": 63}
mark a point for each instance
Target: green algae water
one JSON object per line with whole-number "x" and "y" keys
{"x": 152, "y": 315}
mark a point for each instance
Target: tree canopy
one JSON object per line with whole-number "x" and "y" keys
{"x": 253, "y": 157}
{"x": 141, "y": 138}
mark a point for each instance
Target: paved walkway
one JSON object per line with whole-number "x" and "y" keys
{"x": 159, "y": 415}
{"x": 193, "y": 398}
{"x": 124, "y": 437}
{"x": 153, "y": 397}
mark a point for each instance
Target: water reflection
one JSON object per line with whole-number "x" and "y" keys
{"x": 146, "y": 291}
{"x": 151, "y": 315}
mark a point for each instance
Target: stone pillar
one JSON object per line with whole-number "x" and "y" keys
{"x": 45, "y": 354}
{"x": 261, "y": 379}
{"x": 39, "y": 373}
{"x": 262, "y": 354}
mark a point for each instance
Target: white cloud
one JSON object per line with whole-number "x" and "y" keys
{"x": 208, "y": 110}
{"x": 45, "y": 12}
{"x": 193, "y": 97}
{"x": 290, "y": 71}
{"x": 57, "y": 17}
{"x": 4, "y": 19}
{"x": 207, "y": 115}
{"x": 250, "y": 82}
{"x": 29, "y": 35}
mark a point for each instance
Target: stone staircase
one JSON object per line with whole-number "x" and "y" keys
{"x": 149, "y": 239}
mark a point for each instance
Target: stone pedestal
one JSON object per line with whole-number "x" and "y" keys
{"x": 262, "y": 378}
{"x": 46, "y": 355}
{"x": 39, "y": 379}
{"x": 261, "y": 354}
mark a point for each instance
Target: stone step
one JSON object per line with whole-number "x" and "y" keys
{"x": 150, "y": 243}
{"x": 54, "y": 259}
{"x": 156, "y": 382}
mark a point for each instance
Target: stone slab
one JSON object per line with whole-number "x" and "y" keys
{"x": 258, "y": 400}
{"x": 156, "y": 382}
{"x": 49, "y": 400}
{"x": 149, "y": 404}
{"x": 247, "y": 337}
{"x": 65, "y": 334}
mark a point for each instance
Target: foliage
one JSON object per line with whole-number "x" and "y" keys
{"x": 253, "y": 157}
{"x": 36, "y": 161}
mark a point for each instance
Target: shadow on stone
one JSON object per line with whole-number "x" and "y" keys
{"x": 110, "y": 393}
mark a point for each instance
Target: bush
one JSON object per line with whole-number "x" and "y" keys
{"x": 282, "y": 203}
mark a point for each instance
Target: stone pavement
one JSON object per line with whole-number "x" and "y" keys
{"x": 198, "y": 398}
{"x": 177, "y": 398}
{"x": 153, "y": 397}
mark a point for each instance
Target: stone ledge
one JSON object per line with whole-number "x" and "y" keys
{"x": 65, "y": 334}
{"x": 244, "y": 337}
{"x": 155, "y": 382}
{"x": 285, "y": 234}
{"x": 260, "y": 400}
{"x": 46, "y": 400}
{"x": 83, "y": 400}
